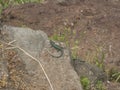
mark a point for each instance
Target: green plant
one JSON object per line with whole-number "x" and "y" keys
{"x": 117, "y": 75}
{"x": 114, "y": 75}
{"x": 96, "y": 56}
{"x": 85, "y": 83}
{"x": 99, "y": 58}
{"x": 57, "y": 37}
{"x": 5, "y": 3}
{"x": 99, "y": 85}
{"x": 75, "y": 49}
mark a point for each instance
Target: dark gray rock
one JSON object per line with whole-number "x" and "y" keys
{"x": 92, "y": 72}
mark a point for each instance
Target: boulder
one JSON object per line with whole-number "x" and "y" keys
{"x": 90, "y": 71}
{"x": 34, "y": 67}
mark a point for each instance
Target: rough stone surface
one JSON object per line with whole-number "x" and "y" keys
{"x": 92, "y": 72}
{"x": 31, "y": 41}
{"x": 59, "y": 70}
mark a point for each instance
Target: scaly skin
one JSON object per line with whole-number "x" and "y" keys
{"x": 58, "y": 48}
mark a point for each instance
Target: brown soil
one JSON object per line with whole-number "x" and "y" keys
{"x": 96, "y": 24}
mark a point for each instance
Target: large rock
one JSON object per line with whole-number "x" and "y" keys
{"x": 92, "y": 72}
{"x": 59, "y": 70}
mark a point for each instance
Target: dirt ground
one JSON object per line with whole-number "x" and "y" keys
{"x": 96, "y": 24}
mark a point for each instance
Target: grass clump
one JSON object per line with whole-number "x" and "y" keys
{"x": 85, "y": 83}
{"x": 99, "y": 58}
{"x": 114, "y": 75}
{"x": 6, "y": 3}
{"x": 99, "y": 85}
{"x": 67, "y": 36}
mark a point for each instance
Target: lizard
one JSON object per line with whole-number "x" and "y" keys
{"x": 58, "y": 48}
